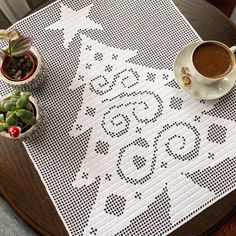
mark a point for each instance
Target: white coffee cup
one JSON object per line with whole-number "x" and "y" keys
{"x": 206, "y": 79}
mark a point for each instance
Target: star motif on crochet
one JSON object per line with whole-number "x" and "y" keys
{"x": 81, "y": 22}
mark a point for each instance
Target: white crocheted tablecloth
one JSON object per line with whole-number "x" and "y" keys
{"x": 125, "y": 151}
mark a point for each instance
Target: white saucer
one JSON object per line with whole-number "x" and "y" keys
{"x": 197, "y": 89}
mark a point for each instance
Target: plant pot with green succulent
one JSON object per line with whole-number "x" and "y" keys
{"x": 21, "y": 65}
{"x": 21, "y": 116}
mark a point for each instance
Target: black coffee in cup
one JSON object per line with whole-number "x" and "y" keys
{"x": 213, "y": 60}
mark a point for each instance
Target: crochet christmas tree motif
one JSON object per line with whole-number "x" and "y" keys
{"x": 139, "y": 133}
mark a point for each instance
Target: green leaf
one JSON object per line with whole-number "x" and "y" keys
{"x": 20, "y": 46}
{"x": 5, "y": 126}
{"x": 9, "y": 106}
{"x": 11, "y": 120}
{"x": 1, "y": 127}
{"x": 24, "y": 114}
{"x": 31, "y": 121}
{"x": 27, "y": 94}
{"x": 1, "y": 118}
{"x": 15, "y": 94}
{"x": 2, "y": 103}
{"x": 22, "y": 102}
{"x": 29, "y": 106}
{"x": 9, "y": 113}
{"x": 13, "y": 99}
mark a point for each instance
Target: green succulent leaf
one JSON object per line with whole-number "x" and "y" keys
{"x": 5, "y": 125}
{"x": 29, "y": 106}
{"x": 31, "y": 121}
{"x": 13, "y": 99}
{"x": 27, "y": 94}
{"x": 9, "y": 113}
{"x": 22, "y": 102}
{"x": 15, "y": 94}
{"x": 2, "y": 127}
{"x": 9, "y": 105}
{"x": 19, "y": 47}
{"x": 12, "y": 120}
{"x": 1, "y": 118}
{"x": 2, "y": 103}
{"x": 15, "y": 109}
{"x": 24, "y": 114}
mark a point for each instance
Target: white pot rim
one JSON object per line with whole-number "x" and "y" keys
{"x": 36, "y": 54}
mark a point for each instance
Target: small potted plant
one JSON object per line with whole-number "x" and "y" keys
{"x": 21, "y": 66}
{"x": 21, "y": 117}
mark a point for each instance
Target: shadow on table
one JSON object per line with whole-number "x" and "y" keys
{"x": 11, "y": 224}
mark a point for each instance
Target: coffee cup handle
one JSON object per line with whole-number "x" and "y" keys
{"x": 233, "y": 49}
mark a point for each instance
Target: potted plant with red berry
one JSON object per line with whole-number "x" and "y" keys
{"x": 21, "y": 116}
{"x": 21, "y": 65}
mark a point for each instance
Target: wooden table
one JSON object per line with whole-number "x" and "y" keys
{"x": 21, "y": 186}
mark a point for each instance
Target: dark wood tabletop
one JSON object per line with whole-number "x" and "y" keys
{"x": 21, "y": 186}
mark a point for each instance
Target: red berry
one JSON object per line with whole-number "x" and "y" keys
{"x": 14, "y": 131}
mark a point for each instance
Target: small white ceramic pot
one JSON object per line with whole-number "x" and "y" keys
{"x": 34, "y": 130}
{"x": 34, "y": 81}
